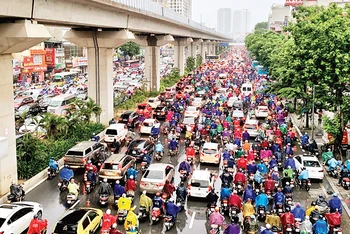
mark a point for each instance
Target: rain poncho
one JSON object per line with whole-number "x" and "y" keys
{"x": 299, "y": 213}
{"x": 249, "y": 193}
{"x": 131, "y": 172}
{"x": 279, "y": 198}
{"x": 145, "y": 202}
{"x": 118, "y": 190}
{"x": 327, "y": 155}
{"x": 332, "y": 163}
{"x": 225, "y": 193}
{"x": 258, "y": 177}
{"x": 124, "y": 203}
{"x": 216, "y": 218}
{"x": 131, "y": 220}
{"x": 335, "y": 203}
{"x": 248, "y": 209}
{"x": 304, "y": 175}
{"x": 306, "y": 226}
{"x": 333, "y": 219}
{"x": 53, "y": 164}
{"x": 232, "y": 229}
{"x": 273, "y": 220}
{"x": 290, "y": 162}
{"x": 262, "y": 200}
{"x": 159, "y": 148}
{"x": 73, "y": 188}
{"x": 172, "y": 209}
{"x": 251, "y": 168}
{"x": 66, "y": 174}
{"x": 262, "y": 168}
{"x": 185, "y": 166}
{"x": 320, "y": 227}
{"x": 289, "y": 172}
{"x": 36, "y": 226}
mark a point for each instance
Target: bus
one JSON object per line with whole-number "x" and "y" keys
{"x": 131, "y": 63}
{"x": 64, "y": 77}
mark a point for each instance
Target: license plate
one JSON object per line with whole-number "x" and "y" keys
{"x": 279, "y": 210}
{"x": 133, "y": 152}
{"x": 120, "y": 218}
{"x": 158, "y": 113}
{"x": 261, "y": 212}
{"x": 297, "y": 230}
{"x": 212, "y": 209}
{"x": 234, "y": 212}
{"x": 289, "y": 229}
{"x": 167, "y": 224}
{"x": 48, "y": 173}
{"x": 225, "y": 204}
{"x": 125, "y": 120}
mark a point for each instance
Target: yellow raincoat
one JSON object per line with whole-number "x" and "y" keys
{"x": 146, "y": 202}
{"x": 73, "y": 188}
{"x": 273, "y": 220}
{"x": 248, "y": 209}
{"x": 308, "y": 211}
{"x": 124, "y": 203}
{"x": 131, "y": 220}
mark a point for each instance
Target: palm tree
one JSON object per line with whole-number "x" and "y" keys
{"x": 55, "y": 125}
{"x": 87, "y": 108}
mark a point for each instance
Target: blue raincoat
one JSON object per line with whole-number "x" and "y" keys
{"x": 332, "y": 163}
{"x": 299, "y": 213}
{"x": 290, "y": 162}
{"x": 173, "y": 144}
{"x": 53, "y": 164}
{"x": 279, "y": 198}
{"x": 172, "y": 209}
{"x": 251, "y": 168}
{"x": 66, "y": 174}
{"x": 225, "y": 193}
{"x": 262, "y": 200}
{"x": 262, "y": 168}
{"x": 335, "y": 203}
{"x": 249, "y": 193}
{"x": 237, "y": 141}
{"x": 275, "y": 147}
{"x": 232, "y": 229}
{"x": 118, "y": 190}
{"x": 185, "y": 166}
{"x": 159, "y": 148}
{"x": 320, "y": 227}
{"x": 273, "y": 163}
{"x": 131, "y": 172}
{"x": 304, "y": 175}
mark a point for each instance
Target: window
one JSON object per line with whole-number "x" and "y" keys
{"x": 298, "y": 158}
{"x": 2, "y": 221}
{"x": 86, "y": 223}
{"x": 200, "y": 183}
{"x": 126, "y": 161}
{"x": 88, "y": 150}
{"x": 92, "y": 215}
{"x": 19, "y": 214}
{"x": 111, "y": 132}
{"x": 37, "y": 59}
{"x": 311, "y": 163}
{"x": 155, "y": 175}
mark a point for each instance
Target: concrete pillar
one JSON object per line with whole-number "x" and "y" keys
{"x": 14, "y": 38}
{"x": 152, "y": 64}
{"x": 179, "y": 57}
{"x": 203, "y": 45}
{"x": 101, "y": 88}
{"x": 193, "y": 49}
{"x": 214, "y": 48}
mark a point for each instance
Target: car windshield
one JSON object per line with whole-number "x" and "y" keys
{"x": 111, "y": 166}
{"x": 66, "y": 228}
{"x": 209, "y": 151}
{"x": 23, "y": 109}
{"x": 188, "y": 121}
{"x": 111, "y": 132}
{"x": 141, "y": 107}
{"x": 148, "y": 124}
{"x": 308, "y": 163}
{"x": 237, "y": 114}
{"x": 140, "y": 144}
{"x": 2, "y": 221}
{"x": 74, "y": 153}
{"x": 154, "y": 175}
{"x": 200, "y": 183}
{"x": 56, "y": 103}
{"x": 18, "y": 100}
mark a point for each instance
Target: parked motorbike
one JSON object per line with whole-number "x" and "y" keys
{"x": 19, "y": 196}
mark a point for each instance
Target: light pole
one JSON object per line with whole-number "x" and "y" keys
{"x": 313, "y": 113}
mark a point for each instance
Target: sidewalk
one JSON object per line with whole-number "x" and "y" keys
{"x": 329, "y": 184}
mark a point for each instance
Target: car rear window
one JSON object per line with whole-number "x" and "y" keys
{"x": 250, "y": 126}
{"x": 155, "y": 175}
{"x": 311, "y": 163}
{"x": 141, "y": 107}
{"x": 148, "y": 124}
{"x": 151, "y": 100}
{"x": 66, "y": 228}
{"x": 111, "y": 166}
{"x": 200, "y": 183}
{"x": 209, "y": 151}
{"x": 263, "y": 109}
{"x": 111, "y": 132}
{"x": 2, "y": 221}
{"x": 75, "y": 153}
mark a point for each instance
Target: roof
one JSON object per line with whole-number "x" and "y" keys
{"x": 308, "y": 157}
{"x": 83, "y": 145}
{"x": 115, "y": 158}
{"x": 211, "y": 145}
{"x": 200, "y": 174}
{"x": 73, "y": 216}
{"x": 159, "y": 166}
{"x": 116, "y": 125}
{"x": 7, "y": 209}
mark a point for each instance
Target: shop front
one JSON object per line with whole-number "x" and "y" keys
{"x": 34, "y": 67}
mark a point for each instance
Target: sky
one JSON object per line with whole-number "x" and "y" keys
{"x": 259, "y": 9}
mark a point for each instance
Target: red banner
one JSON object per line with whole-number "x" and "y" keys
{"x": 50, "y": 56}
{"x": 28, "y": 62}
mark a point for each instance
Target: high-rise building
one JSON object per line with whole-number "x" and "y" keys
{"x": 241, "y": 24}
{"x": 162, "y": 2}
{"x": 224, "y": 21}
{"x": 183, "y": 7}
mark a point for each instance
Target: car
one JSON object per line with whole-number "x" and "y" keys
{"x": 201, "y": 184}
{"x": 238, "y": 114}
{"x": 252, "y": 126}
{"x": 192, "y": 111}
{"x": 21, "y": 101}
{"x": 200, "y": 93}
{"x": 154, "y": 178}
{"x": 188, "y": 122}
{"x": 115, "y": 167}
{"x": 31, "y": 109}
{"x": 138, "y": 146}
{"x": 231, "y": 101}
{"x": 31, "y": 125}
{"x": 188, "y": 89}
{"x": 142, "y": 107}
{"x": 312, "y": 165}
{"x": 261, "y": 112}
{"x": 170, "y": 90}
{"x": 82, "y": 96}
{"x": 210, "y": 153}
{"x": 198, "y": 102}
{"x": 160, "y": 112}
{"x": 16, "y": 217}
{"x": 45, "y": 102}
{"x": 153, "y": 102}
{"x": 116, "y": 132}
{"x": 238, "y": 105}
{"x": 79, "y": 221}
{"x": 148, "y": 124}
{"x": 221, "y": 91}
{"x": 130, "y": 118}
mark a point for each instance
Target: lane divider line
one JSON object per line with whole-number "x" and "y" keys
{"x": 192, "y": 219}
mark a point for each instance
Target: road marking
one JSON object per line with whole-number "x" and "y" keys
{"x": 192, "y": 219}
{"x": 75, "y": 204}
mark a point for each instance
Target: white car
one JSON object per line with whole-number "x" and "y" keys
{"x": 200, "y": 93}
{"x": 31, "y": 125}
{"x": 201, "y": 184}
{"x": 312, "y": 165}
{"x": 16, "y": 217}
{"x": 153, "y": 102}
{"x": 252, "y": 126}
{"x": 148, "y": 124}
{"x": 198, "y": 101}
{"x": 188, "y": 89}
{"x": 210, "y": 153}
{"x": 238, "y": 114}
{"x": 221, "y": 91}
{"x": 192, "y": 111}
{"x": 154, "y": 178}
{"x": 261, "y": 112}
{"x": 231, "y": 101}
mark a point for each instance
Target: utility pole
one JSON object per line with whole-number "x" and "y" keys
{"x": 313, "y": 113}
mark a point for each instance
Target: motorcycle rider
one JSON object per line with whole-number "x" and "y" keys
{"x": 288, "y": 171}
{"x": 322, "y": 202}
{"x": 168, "y": 188}
{"x": 36, "y": 225}
{"x": 114, "y": 229}
{"x": 235, "y": 200}
{"x": 145, "y": 201}
{"x": 267, "y": 230}
{"x": 315, "y": 214}
{"x": 159, "y": 148}
{"x": 335, "y": 204}
{"x": 304, "y": 176}
{"x": 124, "y": 203}
{"x": 304, "y": 140}
{"x": 251, "y": 168}
{"x": 173, "y": 144}
{"x": 118, "y": 189}
{"x": 216, "y": 218}
{"x": 287, "y": 218}
{"x": 181, "y": 191}
{"x": 262, "y": 200}
{"x": 131, "y": 172}
{"x": 269, "y": 184}
{"x": 321, "y": 226}
{"x": 273, "y": 162}
{"x": 105, "y": 188}
{"x": 155, "y": 132}
{"x": 212, "y": 198}
{"x": 95, "y": 137}
{"x": 249, "y": 193}
{"x": 286, "y": 179}
{"x": 185, "y": 166}
{"x": 344, "y": 173}
{"x": 262, "y": 168}
{"x": 108, "y": 220}
{"x": 66, "y": 173}
{"x": 131, "y": 221}
{"x": 226, "y": 177}
{"x": 240, "y": 177}
{"x": 253, "y": 225}
{"x": 158, "y": 202}
{"x": 225, "y": 192}
{"x": 258, "y": 179}
{"x": 242, "y": 163}
{"x": 172, "y": 209}
{"x": 313, "y": 206}
{"x": 290, "y": 162}
{"x": 279, "y": 198}
{"x": 298, "y": 212}
{"x": 306, "y": 226}
{"x": 91, "y": 176}
{"x": 245, "y": 135}
{"x": 53, "y": 164}
{"x": 233, "y": 228}
{"x": 146, "y": 158}
{"x": 288, "y": 190}
{"x": 130, "y": 184}
{"x": 17, "y": 190}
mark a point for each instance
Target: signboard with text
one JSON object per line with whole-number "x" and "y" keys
{"x": 50, "y": 56}
{"x": 28, "y": 61}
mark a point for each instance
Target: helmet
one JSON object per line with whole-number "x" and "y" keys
{"x": 66, "y": 166}
{"x": 105, "y": 180}
{"x": 182, "y": 184}
{"x": 108, "y": 211}
{"x": 35, "y": 216}
{"x": 321, "y": 217}
{"x": 131, "y": 177}
{"x": 114, "y": 225}
{"x": 89, "y": 161}
{"x": 234, "y": 191}
{"x": 335, "y": 195}
{"x": 287, "y": 183}
{"x": 91, "y": 168}
{"x": 124, "y": 195}
{"x": 145, "y": 151}
{"x": 117, "y": 182}
{"x": 144, "y": 192}
{"x": 287, "y": 209}
{"x": 52, "y": 158}
{"x": 252, "y": 216}
{"x": 313, "y": 203}
{"x": 268, "y": 226}
{"x": 158, "y": 194}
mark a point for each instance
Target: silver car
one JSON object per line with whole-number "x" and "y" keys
{"x": 154, "y": 178}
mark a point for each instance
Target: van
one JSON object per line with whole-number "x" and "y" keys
{"x": 201, "y": 184}
{"x": 80, "y": 154}
{"x": 116, "y": 131}
{"x": 247, "y": 89}
{"x": 60, "y": 103}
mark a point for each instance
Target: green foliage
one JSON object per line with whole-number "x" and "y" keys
{"x": 332, "y": 126}
{"x": 190, "y": 65}
{"x": 130, "y": 48}
{"x": 199, "y": 60}
{"x": 261, "y": 26}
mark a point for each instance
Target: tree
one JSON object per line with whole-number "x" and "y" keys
{"x": 86, "y": 109}
{"x": 199, "y": 60}
{"x": 55, "y": 126}
{"x": 261, "y": 26}
{"x": 130, "y": 48}
{"x": 190, "y": 65}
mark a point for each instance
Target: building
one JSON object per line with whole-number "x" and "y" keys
{"x": 241, "y": 24}
{"x": 183, "y": 7}
{"x": 162, "y": 2}
{"x": 322, "y": 2}
{"x": 224, "y": 21}
{"x": 279, "y": 17}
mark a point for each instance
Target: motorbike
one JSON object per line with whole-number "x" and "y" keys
{"x": 158, "y": 156}
{"x": 261, "y": 214}
{"x": 155, "y": 215}
{"x": 187, "y": 142}
{"x": 130, "y": 194}
{"x": 196, "y": 148}
{"x": 224, "y": 206}
{"x": 210, "y": 210}
{"x": 71, "y": 198}
{"x": 239, "y": 188}
{"x": 280, "y": 165}
{"x": 269, "y": 196}
{"x": 180, "y": 203}
{"x": 168, "y": 222}
{"x": 51, "y": 173}
{"x": 304, "y": 185}
{"x": 104, "y": 199}
{"x": 346, "y": 183}
{"x": 289, "y": 201}
{"x": 333, "y": 173}
{"x": 279, "y": 209}
{"x": 15, "y": 197}
{"x": 335, "y": 230}
{"x": 116, "y": 199}
{"x": 88, "y": 186}
{"x": 297, "y": 226}
{"x": 143, "y": 214}
{"x": 122, "y": 216}
{"x": 233, "y": 213}
{"x": 165, "y": 130}
{"x": 214, "y": 229}
{"x": 289, "y": 228}
{"x": 63, "y": 185}
{"x": 183, "y": 175}
{"x": 190, "y": 159}
{"x": 275, "y": 230}
{"x": 144, "y": 166}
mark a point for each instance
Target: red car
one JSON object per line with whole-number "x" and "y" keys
{"x": 21, "y": 101}
{"x": 142, "y": 108}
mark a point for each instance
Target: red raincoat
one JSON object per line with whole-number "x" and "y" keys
{"x": 108, "y": 221}
{"x": 130, "y": 185}
{"x": 269, "y": 185}
{"x": 36, "y": 226}
{"x": 242, "y": 163}
{"x": 239, "y": 177}
{"x": 235, "y": 200}
{"x": 287, "y": 218}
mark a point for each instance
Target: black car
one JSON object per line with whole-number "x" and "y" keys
{"x": 32, "y": 109}
{"x": 160, "y": 112}
{"x": 45, "y": 102}
{"x": 130, "y": 118}
{"x": 138, "y": 146}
